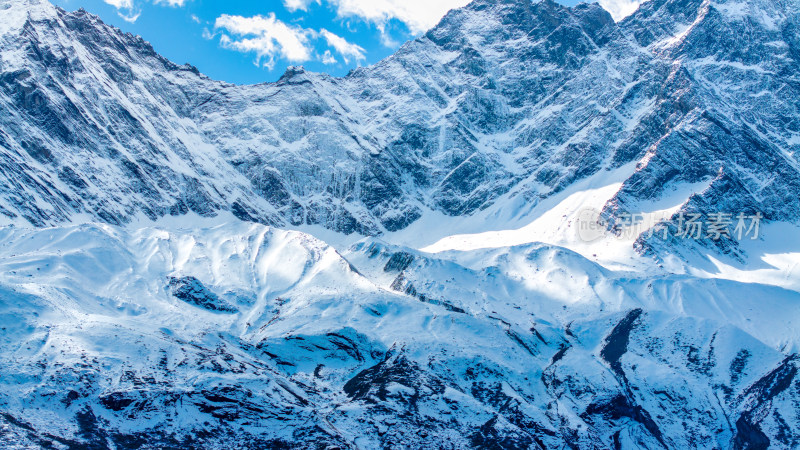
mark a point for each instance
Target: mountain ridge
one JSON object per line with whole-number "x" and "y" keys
{"x": 408, "y": 349}
{"x": 462, "y": 117}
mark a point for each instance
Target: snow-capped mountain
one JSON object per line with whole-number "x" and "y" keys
{"x": 254, "y": 337}
{"x": 499, "y": 106}
{"x": 160, "y": 286}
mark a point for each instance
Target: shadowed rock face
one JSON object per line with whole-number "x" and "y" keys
{"x": 512, "y": 99}
{"x": 192, "y": 291}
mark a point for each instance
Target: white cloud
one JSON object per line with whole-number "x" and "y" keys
{"x": 125, "y": 10}
{"x": 173, "y": 3}
{"x": 265, "y": 36}
{"x": 294, "y": 5}
{"x": 388, "y": 41}
{"x": 270, "y": 39}
{"x": 130, "y": 17}
{"x": 418, "y": 15}
{"x": 128, "y": 11}
{"x": 120, "y": 4}
{"x": 346, "y": 49}
{"x": 328, "y": 58}
{"x": 620, "y": 9}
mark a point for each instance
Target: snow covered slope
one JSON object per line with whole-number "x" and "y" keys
{"x": 249, "y": 336}
{"x": 434, "y": 292}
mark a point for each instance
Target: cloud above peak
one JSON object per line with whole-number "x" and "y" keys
{"x": 266, "y": 36}
{"x": 130, "y": 12}
{"x": 173, "y": 3}
{"x": 120, "y": 4}
{"x": 418, "y": 15}
{"x": 346, "y": 49}
{"x": 269, "y": 39}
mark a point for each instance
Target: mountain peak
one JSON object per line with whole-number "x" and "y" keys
{"x": 296, "y": 75}
{"x": 34, "y": 8}
{"x": 14, "y": 13}
{"x": 512, "y": 20}
{"x": 25, "y": 4}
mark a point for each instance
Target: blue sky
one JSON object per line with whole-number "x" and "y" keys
{"x": 252, "y": 41}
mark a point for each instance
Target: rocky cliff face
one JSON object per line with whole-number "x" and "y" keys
{"x": 514, "y": 100}
{"x": 204, "y": 335}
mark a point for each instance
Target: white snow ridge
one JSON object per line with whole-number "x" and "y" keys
{"x": 392, "y": 259}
